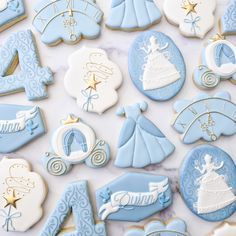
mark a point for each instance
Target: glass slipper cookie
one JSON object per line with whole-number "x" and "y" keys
{"x": 175, "y": 227}
{"x": 74, "y": 143}
{"x": 205, "y": 117}
{"x": 125, "y": 200}
{"x": 22, "y": 193}
{"x": 19, "y": 125}
{"x": 141, "y": 143}
{"x": 133, "y": 15}
{"x": 93, "y": 79}
{"x": 208, "y": 183}
{"x": 156, "y": 66}
{"x": 75, "y": 200}
{"x": 20, "y": 49}
{"x": 225, "y": 229}
{"x": 67, "y": 20}
{"x": 11, "y": 12}
{"x": 218, "y": 63}
{"x": 193, "y": 17}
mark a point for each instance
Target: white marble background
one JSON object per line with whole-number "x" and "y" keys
{"x": 107, "y": 126}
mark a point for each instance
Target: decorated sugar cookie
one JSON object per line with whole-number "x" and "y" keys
{"x": 205, "y": 117}
{"x": 218, "y": 63}
{"x": 194, "y": 17}
{"x": 208, "y": 183}
{"x": 11, "y": 12}
{"x": 22, "y": 193}
{"x": 67, "y": 20}
{"x": 141, "y": 143}
{"x": 156, "y": 66}
{"x": 227, "y": 229}
{"x": 32, "y": 78}
{"x": 228, "y": 21}
{"x": 75, "y": 200}
{"x": 92, "y": 79}
{"x": 133, "y": 15}
{"x": 73, "y": 143}
{"x": 125, "y": 200}
{"x": 155, "y": 227}
{"x": 18, "y": 126}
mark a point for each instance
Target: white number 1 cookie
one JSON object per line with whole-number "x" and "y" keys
{"x": 194, "y": 17}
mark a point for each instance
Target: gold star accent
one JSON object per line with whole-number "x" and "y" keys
{"x": 11, "y": 200}
{"x": 92, "y": 83}
{"x": 70, "y": 120}
{"x": 189, "y": 7}
{"x": 217, "y": 37}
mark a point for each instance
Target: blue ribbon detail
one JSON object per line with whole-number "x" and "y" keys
{"x": 163, "y": 199}
{"x": 8, "y": 224}
{"x": 89, "y": 97}
{"x": 106, "y": 195}
{"x": 30, "y": 126}
{"x": 193, "y": 22}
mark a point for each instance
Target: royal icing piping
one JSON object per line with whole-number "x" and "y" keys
{"x": 93, "y": 79}
{"x": 226, "y": 229}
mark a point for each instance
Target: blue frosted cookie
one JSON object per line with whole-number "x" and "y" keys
{"x": 156, "y": 66}
{"x": 208, "y": 183}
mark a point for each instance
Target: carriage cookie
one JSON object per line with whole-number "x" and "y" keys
{"x": 208, "y": 183}
{"x": 218, "y": 63}
{"x": 73, "y": 143}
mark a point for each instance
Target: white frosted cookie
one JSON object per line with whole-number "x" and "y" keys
{"x": 225, "y": 229}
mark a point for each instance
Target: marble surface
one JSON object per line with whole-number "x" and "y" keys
{"x": 107, "y": 126}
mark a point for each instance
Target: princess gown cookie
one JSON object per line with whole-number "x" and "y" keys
{"x": 11, "y": 12}
{"x": 93, "y": 79}
{"x": 74, "y": 143}
{"x": 155, "y": 227}
{"x": 156, "y": 66}
{"x": 20, "y": 49}
{"x": 67, "y": 20}
{"x": 125, "y": 200}
{"x": 18, "y": 126}
{"x": 227, "y": 229}
{"x": 141, "y": 143}
{"x": 22, "y": 194}
{"x": 75, "y": 200}
{"x": 205, "y": 117}
{"x": 133, "y": 14}
{"x": 194, "y": 17}
{"x": 208, "y": 183}
{"x": 218, "y": 63}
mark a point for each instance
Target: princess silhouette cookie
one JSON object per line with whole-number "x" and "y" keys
{"x": 74, "y": 143}
{"x": 194, "y": 17}
{"x": 156, "y": 66}
{"x": 218, "y": 63}
{"x": 208, "y": 183}
{"x": 67, "y": 20}
{"x": 130, "y": 15}
{"x": 141, "y": 143}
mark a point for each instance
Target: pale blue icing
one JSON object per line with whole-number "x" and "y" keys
{"x": 205, "y": 117}
{"x": 136, "y": 64}
{"x": 67, "y": 21}
{"x": 127, "y": 185}
{"x": 75, "y": 200}
{"x": 32, "y": 77}
{"x": 133, "y": 14}
{"x": 189, "y": 186}
{"x": 224, "y": 54}
{"x": 228, "y": 20}
{"x": 13, "y": 133}
{"x": 176, "y": 227}
{"x": 141, "y": 143}
{"x": 15, "y": 10}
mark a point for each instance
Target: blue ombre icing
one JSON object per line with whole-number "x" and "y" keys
{"x": 32, "y": 77}
{"x": 18, "y": 126}
{"x": 67, "y": 20}
{"x": 208, "y": 183}
{"x": 75, "y": 200}
{"x": 205, "y": 117}
{"x": 141, "y": 143}
{"x": 125, "y": 200}
{"x": 156, "y": 66}
{"x": 228, "y": 20}
{"x": 133, "y": 14}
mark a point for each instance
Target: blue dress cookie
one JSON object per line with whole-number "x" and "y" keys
{"x": 208, "y": 183}
{"x": 67, "y": 20}
{"x": 141, "y": 143}
{"x": 156, "y": 66}
{"x": 133, "y": 14}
